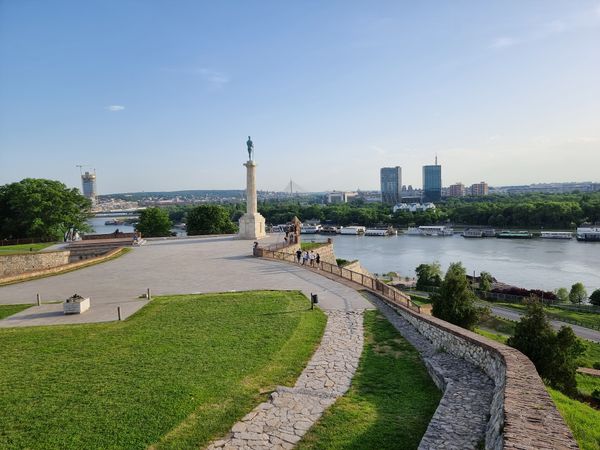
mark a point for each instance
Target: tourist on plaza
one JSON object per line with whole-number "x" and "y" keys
{"x": 305, "y": 258}
{"x": 311, "y": 257}
{"x": 318, "y": 260}
{"x": 298, "y": 255}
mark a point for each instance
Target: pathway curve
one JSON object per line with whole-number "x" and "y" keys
{"x": 461, "y": 417}
{"x": 281, "y": 422}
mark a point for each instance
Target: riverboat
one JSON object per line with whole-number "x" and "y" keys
{"x": 508, "y": 234}
{"x": 114, "y": 222}
{"x": 353, "y": 230}
{"x": 556, "y": 235}
{"x": 588, "y": 233}
{"x": 436, "y": 230}
{"x": 310, "y": 229}
{"x": 413, "y": 231}
{"x": 330, "y": 229}
{"x": 479, "y": 232}
{"x": 380, "y": 232}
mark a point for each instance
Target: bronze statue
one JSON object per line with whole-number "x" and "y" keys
{"x": 250, "y": 149}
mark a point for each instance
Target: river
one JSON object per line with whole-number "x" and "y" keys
{"x": 97, "y": 223}
{"x": 534, "y": 264}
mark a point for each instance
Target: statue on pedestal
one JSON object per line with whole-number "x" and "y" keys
{"x": 250, "y": 146}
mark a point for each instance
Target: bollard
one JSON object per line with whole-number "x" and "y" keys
{"x": 119, "y": 312}
{"x": 39, "y": 299}
{"x": 148, "y": 295}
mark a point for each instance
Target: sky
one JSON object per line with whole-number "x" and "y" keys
{"x": 162, "y": 95}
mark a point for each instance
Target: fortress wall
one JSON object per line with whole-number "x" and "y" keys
{"x": 29, "y": 262}
{"x": 523, "y": 414}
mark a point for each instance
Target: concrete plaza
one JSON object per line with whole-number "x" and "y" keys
{"x": 169, "y": 266}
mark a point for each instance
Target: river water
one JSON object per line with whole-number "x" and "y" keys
{"x": 98, "y": 224}
{"x": 533, "y": 263}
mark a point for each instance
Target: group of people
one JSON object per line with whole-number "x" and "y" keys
{"x": 307, "y": 258}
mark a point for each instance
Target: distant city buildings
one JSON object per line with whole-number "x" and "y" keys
{"x": 456, "y": 190}
{"x": 479, "y": 189}
{"x": 340, "y": 196}
{"x": 391, "y": 184}
{"x": 413, "y": 207}
{"x": 432, "y": 183}
{"x": 88, "y": 184}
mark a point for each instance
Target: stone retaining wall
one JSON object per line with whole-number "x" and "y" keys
{"x": 11, "y": 265}
{"x": 355, "y": 266}
{"x": 58, "y": 269}
{"x": 523, "y": 414}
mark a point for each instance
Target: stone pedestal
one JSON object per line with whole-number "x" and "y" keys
{"x": 252, "y": 224}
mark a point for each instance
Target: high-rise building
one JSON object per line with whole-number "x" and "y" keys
{"x": 480, "y": 189}
{"x": 391, "y": 185}
{"x": 88, "y": 184}
{"x": 456, "y": 190}
{"x": 432, "y": 183}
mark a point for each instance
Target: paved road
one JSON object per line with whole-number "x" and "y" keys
{"x": 585, "y": 333}
{"x": 179, "y": 266}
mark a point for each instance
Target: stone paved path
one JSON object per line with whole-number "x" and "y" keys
{"x": 282, "y": 421}
{"x": 461, "y": 417}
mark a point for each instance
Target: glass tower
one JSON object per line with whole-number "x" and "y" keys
{"x": 432, "y": 183}
{"x": 391, "y": 185}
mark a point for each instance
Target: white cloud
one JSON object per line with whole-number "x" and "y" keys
{"x": 213, "y": 78}
{"x": 115, "y": 108}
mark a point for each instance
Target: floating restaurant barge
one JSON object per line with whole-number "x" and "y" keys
{"x": 588, "y": 233}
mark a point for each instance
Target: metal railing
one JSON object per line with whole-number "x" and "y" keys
{"x": 390, "y": 293}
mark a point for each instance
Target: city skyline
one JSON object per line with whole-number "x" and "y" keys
{"x": 161, "y": 99}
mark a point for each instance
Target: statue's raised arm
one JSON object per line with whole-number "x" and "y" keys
{"x": 250, "y": 149}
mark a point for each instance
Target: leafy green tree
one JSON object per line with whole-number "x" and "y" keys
{"x": 429, "y": 275}
{"x": 154, "y": 222}
{"x": 485, "y": 281}
{"x": 554, "y": 355}
{"x": 578, "y": 293}
{"x": 455, "y": 302}
{"x": 39, "y": 208}
{"x": 595, "y": 298}
{"x": 209, "y": 219}
{"x": 562, "y": 294}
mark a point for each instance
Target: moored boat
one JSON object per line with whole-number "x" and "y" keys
{"x": 509, "y": 234}
{"x": 436, "y": 230}
{"x": 556, "y": 235}
{"x": 380, "y": 232}
{"x": 353, "y": 230}
{"x": 588, "y": 233}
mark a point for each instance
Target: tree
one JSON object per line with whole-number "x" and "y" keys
{"x": 562, "y": 294}
{"x": 554, "y": 355}
{"x": 428, "y": 275}
{"x": 154, "y": 222}
{"x": 39, "y": 208}
{"x": 595, "y": 298}
{"x": 485, "y": 281}
{"x": 578, "y": 293}
{"x": 209, "y": 219}
{"x": 455, "y": 302}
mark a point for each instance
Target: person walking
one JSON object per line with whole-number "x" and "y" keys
{"x": 305, "y": 258}
{"x": 298, "y": 255}
{"x": 318, "y": 260}
{"x": 311, "y": 257}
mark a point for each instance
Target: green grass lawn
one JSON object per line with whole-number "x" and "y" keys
{"x": 583, "y": 420}
{"x": 586, "y": 384}
{"x": 24, "y": 248}
{"x": 420, "y": 300}
{"x": 9, "y": 310}
{"x": 308, "y": 246}
{"x": 177, "y": 374}
{"x": 390, "y": 402}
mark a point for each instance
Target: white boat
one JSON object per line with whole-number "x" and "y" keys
{"x": 556, "y": 235}
{"x": 310, "y": 229}
{"x": 413, "y": 231}
{"x": 588, "y": 233}
{"x": 354, "y": 230}
{"x": 380, "y": 232}
{"x": 436, "y": 230}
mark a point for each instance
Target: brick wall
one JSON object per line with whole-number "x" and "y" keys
{"x": 29, "y": 262}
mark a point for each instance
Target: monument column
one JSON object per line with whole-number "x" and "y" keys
{"x": 252, "y": 224}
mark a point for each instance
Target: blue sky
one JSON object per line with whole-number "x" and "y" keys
{"x": 161, "y": 95}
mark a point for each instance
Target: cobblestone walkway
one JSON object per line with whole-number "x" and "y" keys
{"x": 461, "y": 417}
{"x": 282, "y": 421}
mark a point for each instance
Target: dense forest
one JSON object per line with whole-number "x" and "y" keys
{"x": 559, "y": 211}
